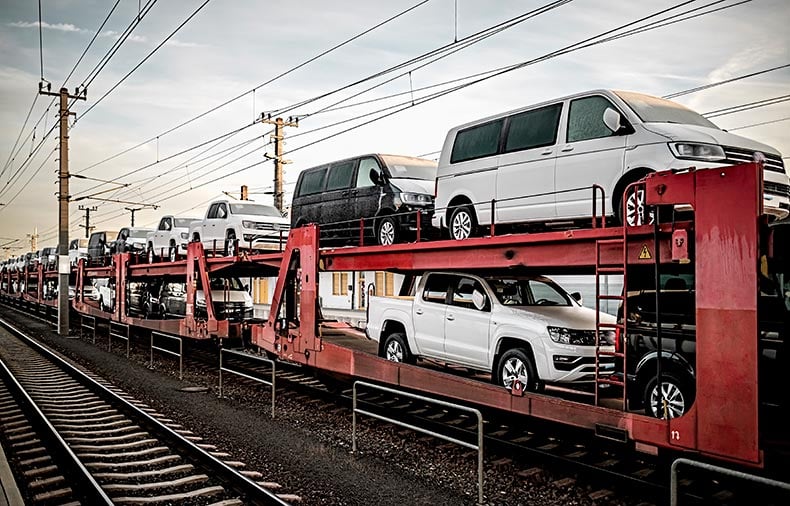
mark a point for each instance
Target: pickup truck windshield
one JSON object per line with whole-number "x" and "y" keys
{"x": 657, "y": 110}
{"x": 184, "y": 222}
{"x": 254, "y": 210}
{"x": 138, "y": 234}
{"x": 528, "y": 292}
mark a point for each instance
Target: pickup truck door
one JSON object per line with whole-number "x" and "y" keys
{"x": 429, "y": 312}
{"x": 467, "y": 326}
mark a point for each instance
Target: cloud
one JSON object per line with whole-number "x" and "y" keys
{"x": 63, "y": 27}
{"x": 178, "y": 43}
{"x": 131, "y": 38}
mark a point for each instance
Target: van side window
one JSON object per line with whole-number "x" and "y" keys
{"x": 585, "y": 119}
{"x": 436, "y": 288}
{"x": 312, "y": 182}
{"x": 340, "y": 176}
{"x": 363, "y": 174}
{"x": 533, "y": 129}
{"x": 477, "y": 141}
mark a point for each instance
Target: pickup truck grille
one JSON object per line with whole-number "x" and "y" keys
{"x": 773, "y": 163}
{"x": 277, "y": 227}
{"x": 776, "y": 188}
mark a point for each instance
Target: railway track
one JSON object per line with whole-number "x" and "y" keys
{"x": 73, "y": 440}
{"x": 526, "y": 446}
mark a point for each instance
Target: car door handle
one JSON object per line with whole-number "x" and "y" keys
{"x": 566, "y": 149}
{"x": 450, "y": 317}
{"x": 418, "y": 311}
{"x": 547, "y": 151}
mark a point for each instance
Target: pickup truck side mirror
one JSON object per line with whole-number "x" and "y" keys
{"x": 247, "y": 288}
{"x": 479, "y": 300}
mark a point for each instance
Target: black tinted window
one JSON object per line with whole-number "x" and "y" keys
{"x": 533, "y": 129}
{"x": 340, "y": 176}
{"x": 585, "y": 119}
{"x": 312, "y": 182}
{"x": 436, "y": 288}
{"x": 477, "y": 142}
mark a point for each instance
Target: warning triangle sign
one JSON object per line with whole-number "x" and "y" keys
{"x": 645, "y": 253}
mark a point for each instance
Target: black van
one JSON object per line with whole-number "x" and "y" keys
{"x": 99, "y": 244}
{"x": 677, "y": 309}
{"x": 385, "y": 191}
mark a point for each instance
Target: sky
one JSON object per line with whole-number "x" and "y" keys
{"x": 125, "y": 131}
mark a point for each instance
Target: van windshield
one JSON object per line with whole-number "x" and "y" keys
{"x": 403, "y": 167}
{"x": 658, "y": 110}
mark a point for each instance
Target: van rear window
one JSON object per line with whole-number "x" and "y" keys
{"x": 312, "y": 182}
{"x": 477, "y": 142}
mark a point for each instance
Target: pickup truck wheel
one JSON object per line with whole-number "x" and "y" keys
{"x": 387, "y": 231}
{"x": 150, "y": 254}
{"x": 515, "y": 365}
{"x": 173, "y": 253}
{"x": 673, "y": 400}
{"x": 462, "y": 223}
{"x": 396, "y": 350}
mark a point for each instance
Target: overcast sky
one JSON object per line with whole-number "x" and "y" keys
{"x": 231, "y": 47}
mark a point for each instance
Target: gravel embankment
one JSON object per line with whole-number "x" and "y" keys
{"x": 307, "y": 447}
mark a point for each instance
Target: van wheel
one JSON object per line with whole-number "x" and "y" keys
{"x": 230, "y": 245}
{"x": 395, "y": 349}
{"x": 387, "y": 231}
{"x": 673, "y": 400}
{"x": 462, "y": 223}
{"x": 514, "y": 365}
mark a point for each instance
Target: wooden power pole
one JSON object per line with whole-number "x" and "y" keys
{"x": 278, "y": 137}
{"x": 63, "y": 204}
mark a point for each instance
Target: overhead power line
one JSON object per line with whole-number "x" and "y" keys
{"x": 747, "y": 107}
{"x": 269, "y": 81}
{"x": 726, "y": 81}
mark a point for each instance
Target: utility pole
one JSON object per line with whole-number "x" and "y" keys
{"x": 135, "y": 209}
{"x": 87, "y": 225}
{"x": 244, "y": 192}
{"x": 278, "y": 137}
{"x": 63, "y": 202}
{"x": 33, "y": 240}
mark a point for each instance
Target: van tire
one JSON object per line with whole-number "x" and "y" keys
{"x": 680, "y": 396}
{"x": 387, "y": 231}
{"x": 463, "y": 223}
{"x": 516, "y": 363}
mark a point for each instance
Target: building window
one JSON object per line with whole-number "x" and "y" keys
{"x": 339, "y": 283}
{"x": 385, "y": 283}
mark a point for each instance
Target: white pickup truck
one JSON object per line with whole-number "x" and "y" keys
{"x": 169, "y": 239}
{"x": 256, "y": 226}
{"x": 524, "y": 328}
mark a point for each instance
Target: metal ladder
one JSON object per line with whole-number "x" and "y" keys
{"x": 619, "y": 327}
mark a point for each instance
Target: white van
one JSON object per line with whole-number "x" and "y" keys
{"x": 539, "y": 162}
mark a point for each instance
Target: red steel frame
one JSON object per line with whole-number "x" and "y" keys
{"x": 723, "y": 421}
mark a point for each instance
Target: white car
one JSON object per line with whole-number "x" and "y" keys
{"x": 105, "y": 288}
{"x": 78, "y": 248}
{"x": 538, "y": 164}
{"x": 253, "y": 226}
{"x": 170, "y": 238}
{"x": 524, "y": 328}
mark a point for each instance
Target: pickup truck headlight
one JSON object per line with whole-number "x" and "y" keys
{"x": 571, "y": 336}
{"x": 248, "y": 224}
{"x": 184, "y": 235}
{"x": 416, "y": 198}
{"x": 698, "y": 151}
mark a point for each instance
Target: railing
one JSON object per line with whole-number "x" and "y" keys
{"x": 84, "y": 326}
{"x": 180, "y": 353}
{"x": 478, "y": 446}
{"x": 720, "y": 470}
{"x": 253, "y": 378}
{"x": 113, "y": 328}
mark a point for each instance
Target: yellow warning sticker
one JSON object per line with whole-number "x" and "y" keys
{"x": 645, "y": 253}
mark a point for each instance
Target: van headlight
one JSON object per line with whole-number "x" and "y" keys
{"x": 698, "y": 151}
{"x": 415, "y": 198}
